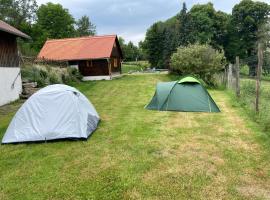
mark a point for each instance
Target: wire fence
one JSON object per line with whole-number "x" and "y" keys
{"x": 249, "y": 79}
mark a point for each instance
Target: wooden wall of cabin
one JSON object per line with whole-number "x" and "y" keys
{"x": 116, "y": 55}
{"x": 115, "y": 65}
{"x": 8, "y": 50}
{"x": 94, "y": 67}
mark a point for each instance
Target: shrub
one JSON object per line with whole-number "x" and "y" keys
{"x": 34, "y": 74}
{"x": 45, "y": 75}
{"x": 244, "y": 70}
{"x": 54, "y": 78}
{"x": 199, "y": 60}
{"x": 74, "y": 74}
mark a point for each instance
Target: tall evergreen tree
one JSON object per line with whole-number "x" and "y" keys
{"x": 184, "y": 28}
{"x": 169, "y": 47}
{"x": 154, "y": 44}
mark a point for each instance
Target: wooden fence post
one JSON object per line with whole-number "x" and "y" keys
{"x": 258, "y": 77}
{"x": 229, "y": 76}
{"x": 237, "y": 71}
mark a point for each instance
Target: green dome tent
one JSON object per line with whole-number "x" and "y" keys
{"x": 186, "y": 95}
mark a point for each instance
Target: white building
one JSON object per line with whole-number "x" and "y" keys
{"x": 10, "y": 73}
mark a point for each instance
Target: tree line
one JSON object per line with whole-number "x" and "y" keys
{"x": 52, "y": 21}
{"x": 235, "y": 34}
{"x": 43, "y": 22}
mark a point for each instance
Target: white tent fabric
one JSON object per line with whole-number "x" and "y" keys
{"x": 54, "y": 112}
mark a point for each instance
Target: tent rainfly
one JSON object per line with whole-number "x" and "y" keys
{"x": 54, "y": 112}
{"x": 186, "y": 95}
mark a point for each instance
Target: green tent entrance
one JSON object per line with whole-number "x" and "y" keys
{"x": 186, "y": 95}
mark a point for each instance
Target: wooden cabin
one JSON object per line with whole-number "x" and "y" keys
{"x": 96, "y": 57}
{"x": 10, "y": 73}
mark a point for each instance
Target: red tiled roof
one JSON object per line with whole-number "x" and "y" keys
{"x": 91, "y": 47}
{"x": 10, "y": 29}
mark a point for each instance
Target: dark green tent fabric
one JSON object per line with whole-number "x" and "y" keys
{"x": 186, "y": 95}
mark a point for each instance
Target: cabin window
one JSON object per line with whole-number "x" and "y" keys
{"x": 115, "y": 64}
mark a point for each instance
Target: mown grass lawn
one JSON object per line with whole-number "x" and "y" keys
{"x": 141, "y": 154}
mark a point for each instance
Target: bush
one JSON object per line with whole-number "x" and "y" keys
{"x": 73, "y": 72}
{"x": 199, "y": 60}
{"x": 46, "y": 75}
{"x": 34, "y": 74}
{"x": 244, "y": 70}
{"x": 54, "y": 78}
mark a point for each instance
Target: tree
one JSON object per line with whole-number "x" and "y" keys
{"x": 153, "y": 44}
{"x": 220, "y": 35}
{"x": 184, "y": 27}
{"x": 197, "y": 59}
{"x": 247, "y": 17}
{"x": 53, "y": 21}
{"x": 85, "y": 27}
{"x": 130, "y": 51}
{"x": 202, "y": 23}
{"x": 19, "y": 13}
{"x": 169, "y": 46}
{"x": 142, "y": 53}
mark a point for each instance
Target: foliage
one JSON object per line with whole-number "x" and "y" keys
{"x": 46, "y": 75}
{"x": 153, "y": 44}
{"x": 53, "y": 21}
{"x": 247, "y": 18}
{"x": 202, "y": 24}
{"x": 202, "y": 20}
{"x": 183, "y": 27}
{"x": 201, "y": 60}
{"x": 49, "y": 21}
{"x": 18, "y": 13}
{"x": 244, "y": 70}
{"x": 130, "y": 51}
{"x": 74, "y": 74}
{"x": 26, "y": 48}
{"x": 85, "y": 27}
{"x": 236, "y": 34}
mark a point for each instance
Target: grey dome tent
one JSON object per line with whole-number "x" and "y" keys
{"x": 54, "y": 112}
{"x": 186, "y": 95}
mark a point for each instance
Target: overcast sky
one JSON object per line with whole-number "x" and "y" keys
{"x": 131, "y": 18}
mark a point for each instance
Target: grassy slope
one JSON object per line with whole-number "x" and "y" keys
{"x": 141, "y": 154}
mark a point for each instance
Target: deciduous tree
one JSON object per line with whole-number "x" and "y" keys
{"x": 85, "y": 27}
{"x": 247, "y": 18}
{"x": 53, "y": 21}
{"x": 197, "y": 59}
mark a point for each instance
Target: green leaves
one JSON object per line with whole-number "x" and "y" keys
{"x": 197, "y": 59}
{"x": 85, "y": 27}
{"x": 56, "y": 21}
{"x": 202, "y": 24}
